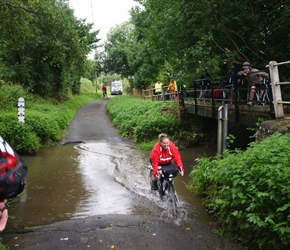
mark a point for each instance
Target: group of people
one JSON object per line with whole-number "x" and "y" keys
{"x": 171, "y": 89}
{"x": 234, "y": 77}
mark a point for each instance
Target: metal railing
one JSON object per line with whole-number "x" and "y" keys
{"x": 195, "y": 96}
{"x": 164, "y": 96}
{"x": 276, "y": 89}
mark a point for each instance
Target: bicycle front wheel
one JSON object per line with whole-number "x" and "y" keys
{"x": 173, "y": 198}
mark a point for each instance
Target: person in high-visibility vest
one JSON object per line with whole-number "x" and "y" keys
{"x": 158, "y": 89}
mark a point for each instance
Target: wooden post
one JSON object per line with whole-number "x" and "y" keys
{"x": 276, "y": 90}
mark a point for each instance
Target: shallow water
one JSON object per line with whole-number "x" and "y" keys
{"x": 97, "y": 178}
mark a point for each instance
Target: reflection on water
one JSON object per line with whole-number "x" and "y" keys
{"x": 97, "y": 165}
{"x": 96, "y": 178}
{"x": 53, "y": 187}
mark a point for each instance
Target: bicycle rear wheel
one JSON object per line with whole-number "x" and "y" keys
{"x": 266, "y": 97}
{"x": 173, "y": 198}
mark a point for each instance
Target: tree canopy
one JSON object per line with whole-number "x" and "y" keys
{"x": 173, "y": 36}
{"x": 43, "y": 45}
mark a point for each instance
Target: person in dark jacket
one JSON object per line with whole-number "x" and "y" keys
{"x": 204, "y": 83}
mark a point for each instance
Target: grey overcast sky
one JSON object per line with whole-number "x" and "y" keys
{"x": 103, "y": 13}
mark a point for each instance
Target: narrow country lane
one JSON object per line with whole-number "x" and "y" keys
{"x": 123, "y": 213}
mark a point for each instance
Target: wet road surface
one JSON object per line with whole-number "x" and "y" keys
{"x": 118, "y": 210}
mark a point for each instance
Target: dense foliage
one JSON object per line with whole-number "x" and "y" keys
{"x": 249, "y": 192}
{"x": 44, "y": 46}
{"x": 45, "y": 120}
{"x": 173, "y": 36}
{"x": 140, "y": 119}
{"x": 143, "y": 120}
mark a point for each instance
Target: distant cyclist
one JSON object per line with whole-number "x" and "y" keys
{"x": 254, "y": 77}
{"x": 161, "y": 157}
{"x": 104, "y": 89}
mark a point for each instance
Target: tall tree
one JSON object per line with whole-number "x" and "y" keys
{"x": 195, "y": 34}
{"x": 48, "y": 55}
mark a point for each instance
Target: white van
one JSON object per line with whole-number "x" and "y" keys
{"x": 116, "y": 88}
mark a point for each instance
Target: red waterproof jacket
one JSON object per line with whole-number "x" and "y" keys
{"x": 163, "y": 156}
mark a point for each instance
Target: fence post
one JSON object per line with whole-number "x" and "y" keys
{"x": 276, "y": 89}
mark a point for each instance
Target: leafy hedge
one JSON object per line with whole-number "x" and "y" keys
{"x": 249, "y": 192}
{"x": 45, "y": 121}
{"x": 141, "y": 120}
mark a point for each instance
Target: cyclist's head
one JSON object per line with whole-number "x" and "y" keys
{"x": 247, "y": 67}
{"x": 12, "y": 172}
{"x": 164, "y": 140}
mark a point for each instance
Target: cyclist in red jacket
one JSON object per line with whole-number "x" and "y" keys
{"x": 161, "y": 156}
{"x": 104, "y": 89}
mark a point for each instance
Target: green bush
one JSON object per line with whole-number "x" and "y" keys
{"x": 141, "y": 120}
{"x": 44, "y": 125}
{"x": 20, "y": 136}
{"x": 45, "y": 120}
{"x": 9, "y": 95}
{"x": 249, "y": 192}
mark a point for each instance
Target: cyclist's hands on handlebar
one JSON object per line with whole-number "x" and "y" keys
{"x": 159, "y": 172}
{"x": 180, "y": 169}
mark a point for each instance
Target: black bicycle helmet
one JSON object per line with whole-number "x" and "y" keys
{"x": 12, "y": 172}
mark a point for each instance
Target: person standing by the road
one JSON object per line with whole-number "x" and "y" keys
{"x": 161, "y": 157}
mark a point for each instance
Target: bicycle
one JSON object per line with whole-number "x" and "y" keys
{"x": 230, "y": 93}
{"x": 262, "y": 95}
{"x": 166, "y": 186}
{"x": 105, "y": 94}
